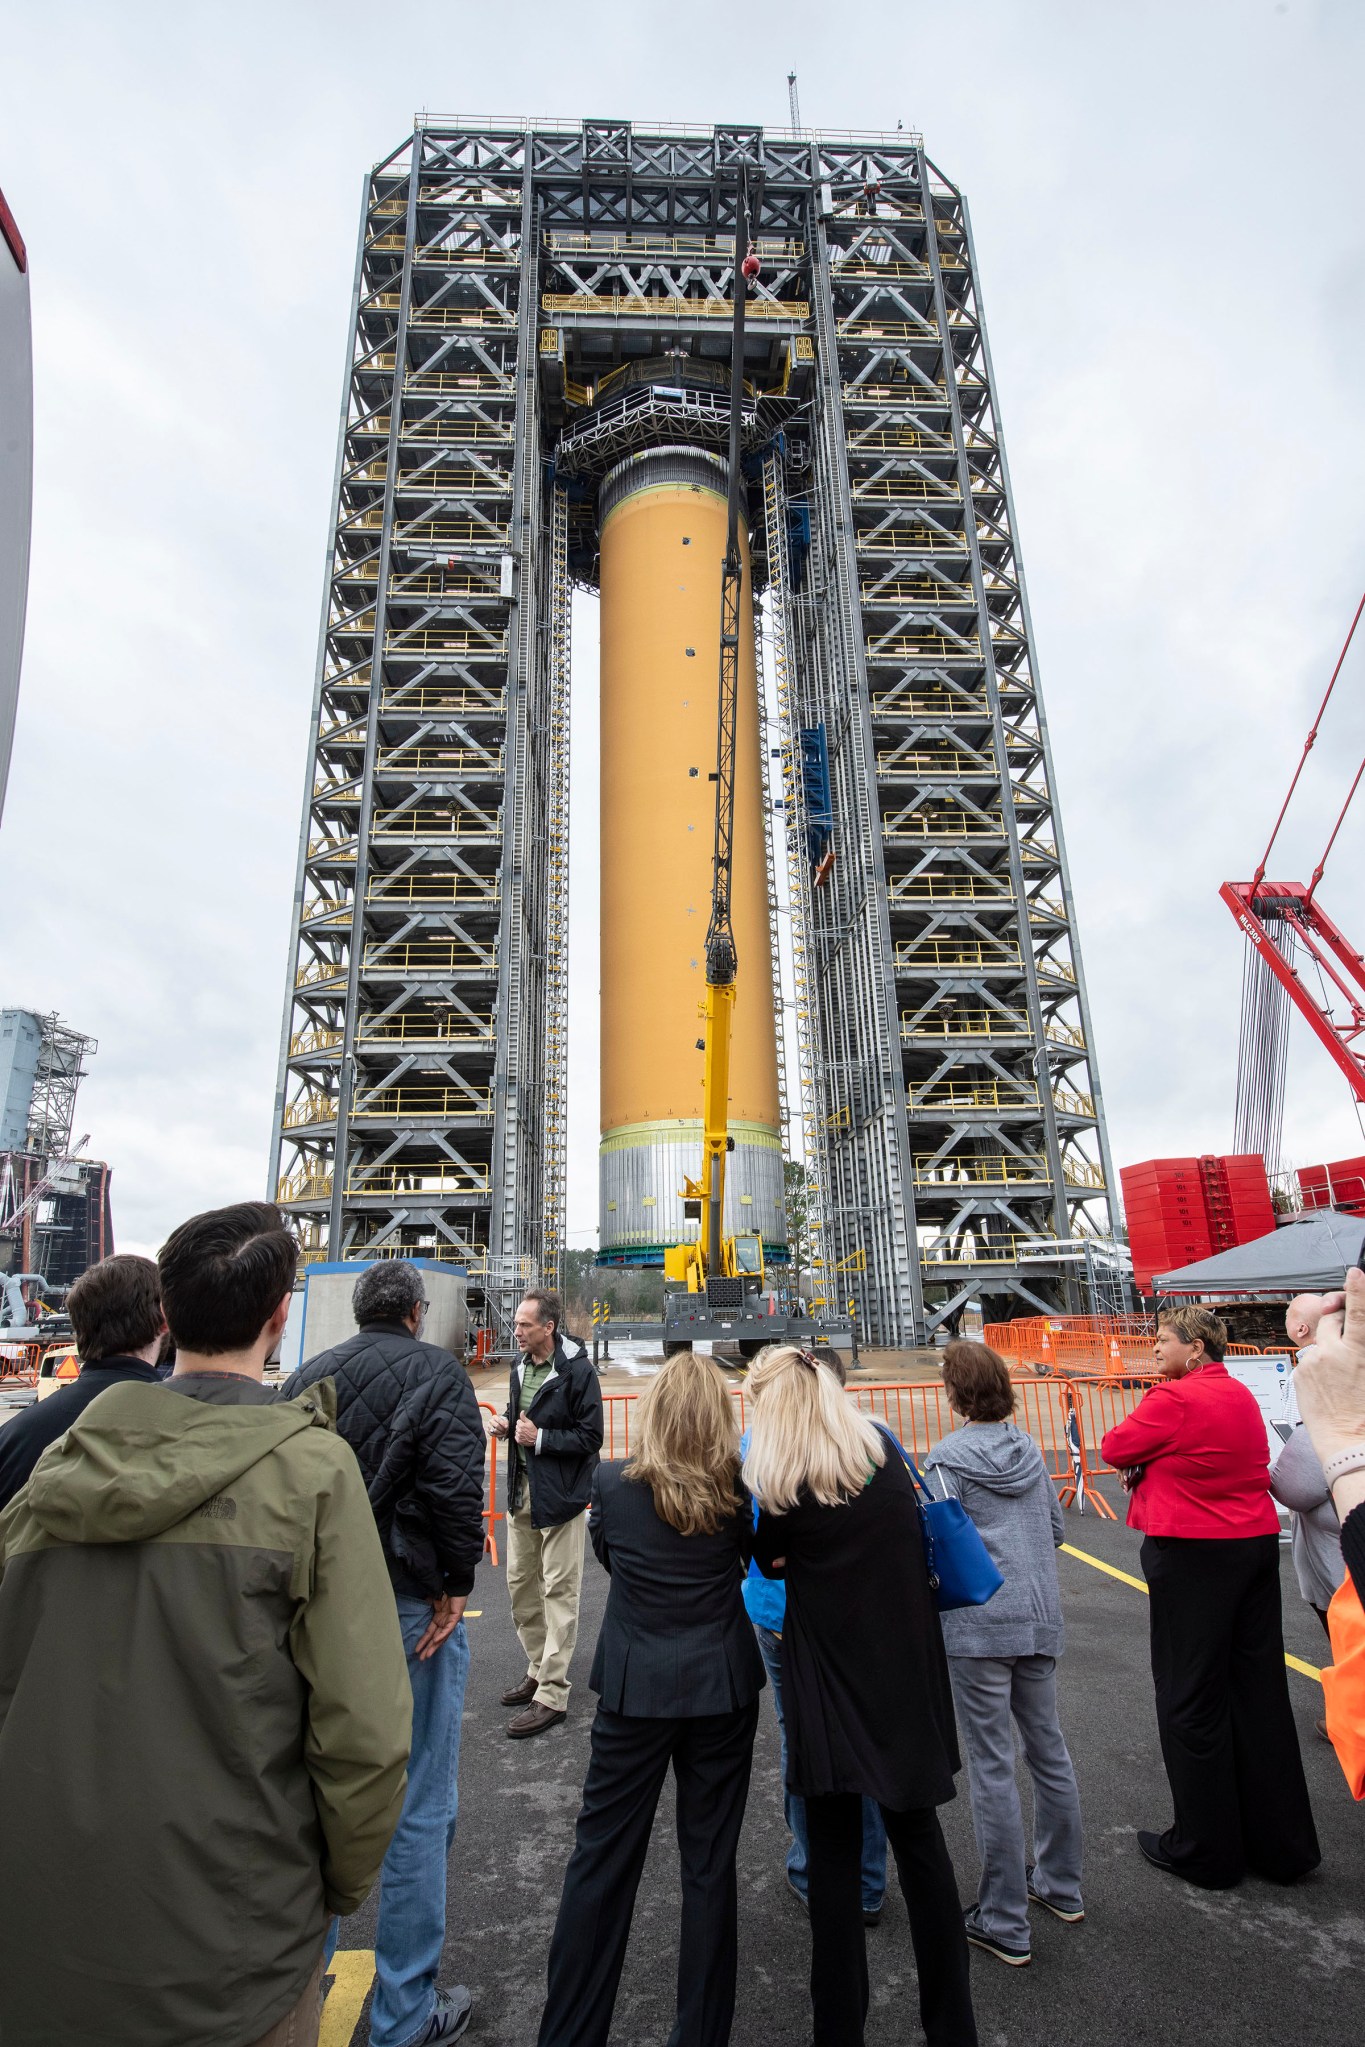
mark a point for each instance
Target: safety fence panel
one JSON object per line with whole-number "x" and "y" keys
{"x": 1067, "y": 1417}
{"x": 918, "y": 1416}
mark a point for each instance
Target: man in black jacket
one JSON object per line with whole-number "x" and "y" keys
{"x": 409, "y": 1412}
{"x": 116, "y": 1318}
{"x": 553, "y": 1431}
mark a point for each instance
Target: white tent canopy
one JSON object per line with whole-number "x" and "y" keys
{"x": 1308, "y": 1254}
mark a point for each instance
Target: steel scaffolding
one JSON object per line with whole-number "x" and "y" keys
{"x": 521, "y": 290}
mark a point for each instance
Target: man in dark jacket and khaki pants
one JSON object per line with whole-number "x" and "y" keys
{"x": 553, "y": 1431}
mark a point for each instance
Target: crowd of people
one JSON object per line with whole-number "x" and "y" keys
{"x": 233, "y": 1653}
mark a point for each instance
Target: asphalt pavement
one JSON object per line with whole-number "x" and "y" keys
{"x": 1155, "y": 1961}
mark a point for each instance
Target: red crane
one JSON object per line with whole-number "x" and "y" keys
{"x": 1283, "y": 919}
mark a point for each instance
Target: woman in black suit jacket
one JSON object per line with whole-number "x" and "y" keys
{"x": 869, "y": 1708}
{"x": 677, "y": 1673}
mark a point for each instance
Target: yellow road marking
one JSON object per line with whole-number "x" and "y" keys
{"x": 1110, "y": 1570}
{"x": 1126, "y": 1578}
{"x": 352, "y": 1973}
{"x": 473, "y": 1613}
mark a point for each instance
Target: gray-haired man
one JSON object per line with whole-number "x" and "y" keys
{"x": 408, "y": 1410}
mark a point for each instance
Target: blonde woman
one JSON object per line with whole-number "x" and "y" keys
{"x": 677, "y": 1675}
{"x": 869, "y": 1711}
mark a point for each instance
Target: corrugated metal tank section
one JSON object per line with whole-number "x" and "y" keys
{"x": 662, "y": 547}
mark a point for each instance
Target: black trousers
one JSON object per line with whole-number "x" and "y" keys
{"x": 838, "y": 1962}
{"x": 711, "y": 1757}
{"x": 1222, "y": 1708}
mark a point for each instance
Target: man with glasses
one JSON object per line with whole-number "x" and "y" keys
{"x": 409, "y": 1412}
{"x": 553, "y": 1432}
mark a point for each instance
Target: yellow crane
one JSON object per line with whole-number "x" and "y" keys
{"x": 693, "y": 1267}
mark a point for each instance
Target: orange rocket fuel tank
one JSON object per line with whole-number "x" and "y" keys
{"x": 662, "y": 524}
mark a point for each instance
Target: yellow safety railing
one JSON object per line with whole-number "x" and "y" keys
{"x": 418, "y": 1027}
{"x": 459, "y": 316}
{"x": 951, "y": 888}
{"x": 446, "y": 1178}
{"x": 312, "y": 1106}
{"x": 316, "y": 972}
{"x": 955, "y": 952}
{"x": 428, "y": 956}
{"x": 443, "y": 887}
{"x": 420, "y": 823}
{"x": 899, "y": 490}
{"x": 1001, "y": 1169}
{"x": 963, "y": 1023}
{"x": 431, "y": 253}
{"x": 907, "y": 646}
{"x": 857, "y": 263}
{"x": 946, "y": 826}
{"x": 916, "y": 590}
{"x": 942, "y": 761}
{"x": 448, "y": 583}
{"x": 448, "y": 531}
{"x": 593, "y": 243}
{"x": 317, "y": 1038}
{"x": 441, "y": 760}
{"x": 414, "y": 1099}
{"x": 1056, "y": 970}
{"x": 305, "y": 1185}
{"x": 460, "y": 383}
{"x": 975, "y": 1094}
{"x": 436, "y": 699}
{"x": 468, "y": 432}
{"x": 928, "y": 704}
{"x": 672, "y": 308}
{"x": 446, "y": 640}
{"x": 471, "y": 483}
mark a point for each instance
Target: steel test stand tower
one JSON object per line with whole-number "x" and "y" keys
{"x": 535, "y": 307}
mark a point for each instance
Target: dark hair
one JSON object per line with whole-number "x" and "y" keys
{"x": 550, "y": 1307}
{"x": 223, "y": 1275}
{"x": 978, "y": 1381}
{"x": 824, "y": 1354}
{"x": 388, "y": 1292}
{"x": 115, "y": 1308}
{"x": 1194, "y": 1323}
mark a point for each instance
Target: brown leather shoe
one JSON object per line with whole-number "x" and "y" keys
{"x": 522, "y": 1694}
{"x": 534, "y": 1720}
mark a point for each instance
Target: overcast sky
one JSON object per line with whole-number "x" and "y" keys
{"x": 1167, "y": 201}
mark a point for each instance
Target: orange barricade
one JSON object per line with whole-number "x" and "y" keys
{"x": 918, "y": 1416}
{"x": 490, "y": 1513}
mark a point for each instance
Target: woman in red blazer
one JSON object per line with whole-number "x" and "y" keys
{"x": 1211, "y": 1555}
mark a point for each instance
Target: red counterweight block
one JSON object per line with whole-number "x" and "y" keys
{"x": 1182, "y": 1210}
{"x": 1338, "y": 1185}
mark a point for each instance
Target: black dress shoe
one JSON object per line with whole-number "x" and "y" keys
{"x": 872, "y": 1915}
{"x": 1153, "y": 1852}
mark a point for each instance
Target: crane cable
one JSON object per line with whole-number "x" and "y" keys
{"x": 1308, "y": 744}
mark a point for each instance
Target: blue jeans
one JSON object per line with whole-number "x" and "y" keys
{"x": 412, "y": 1883}
{"x": 794, "y": 1805}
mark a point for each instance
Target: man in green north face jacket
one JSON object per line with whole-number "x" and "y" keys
{"x": 204, "y": 1702}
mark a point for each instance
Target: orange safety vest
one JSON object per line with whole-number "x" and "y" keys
{"x": 1343, "y": 1685}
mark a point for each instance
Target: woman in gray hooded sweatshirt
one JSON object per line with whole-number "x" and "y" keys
{"x": 1002, "y": 1658}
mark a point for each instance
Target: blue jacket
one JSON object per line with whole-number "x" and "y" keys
{"x": 765, "y": 1599}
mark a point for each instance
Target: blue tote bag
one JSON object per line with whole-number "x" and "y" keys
{"x": 962, "y": 1571}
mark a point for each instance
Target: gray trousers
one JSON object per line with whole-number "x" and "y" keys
{"x": 987, "y": 1691}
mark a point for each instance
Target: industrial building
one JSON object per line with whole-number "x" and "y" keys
{"x": 537, "y": 392}
{"x": 55, "y": 1215}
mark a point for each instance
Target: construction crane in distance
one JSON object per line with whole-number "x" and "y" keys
{"x": 1287, "y": 930}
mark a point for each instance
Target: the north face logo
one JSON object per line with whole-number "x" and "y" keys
{"x": 222, "y": 1507}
